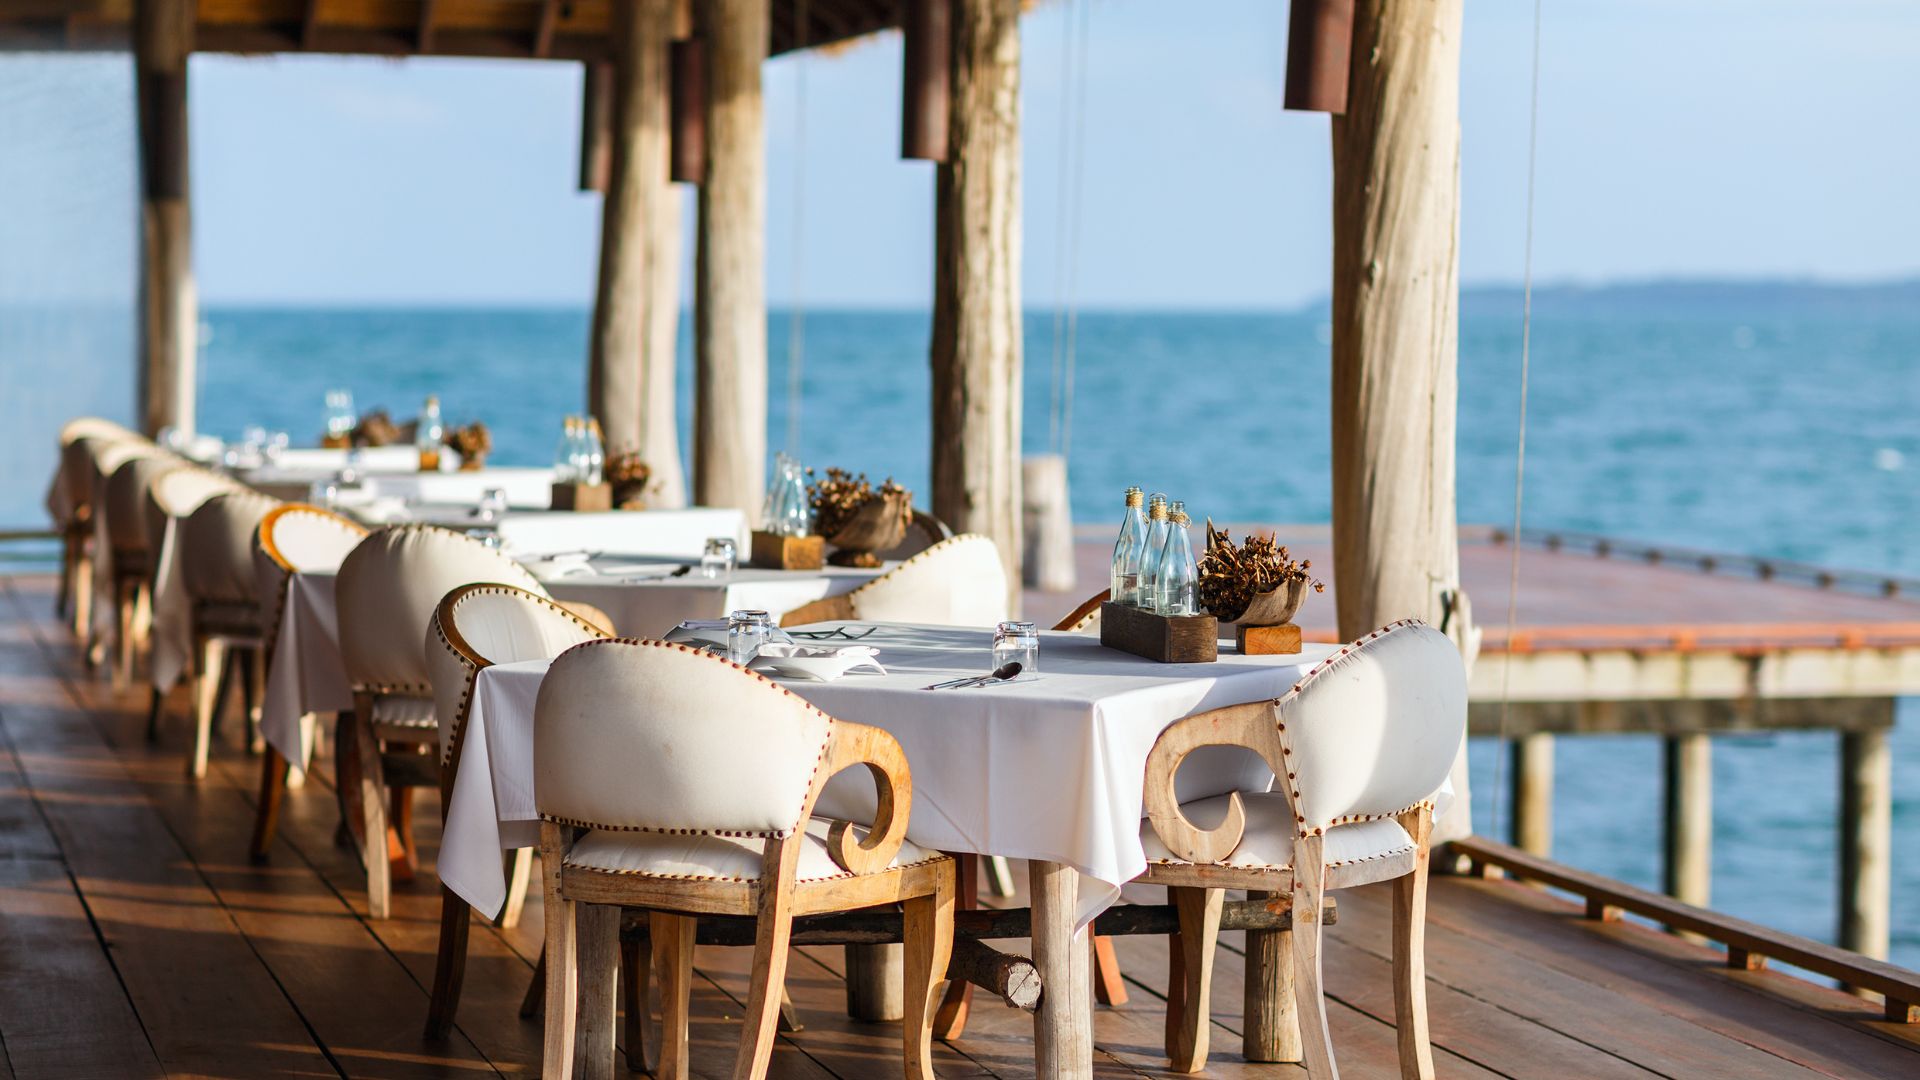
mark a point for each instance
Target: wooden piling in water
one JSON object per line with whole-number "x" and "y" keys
{"x": 1532, "y": 793}
{"x": 1866, "y": 840}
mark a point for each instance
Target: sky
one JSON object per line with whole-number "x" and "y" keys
{"x": 1740, "y": 138}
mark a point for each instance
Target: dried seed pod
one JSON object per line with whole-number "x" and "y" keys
{"x": 1230, "y": 576}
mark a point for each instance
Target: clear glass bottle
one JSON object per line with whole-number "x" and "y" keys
{"x": 1124, "y": 578}
{"x": 428, "y": 432}
{"x": 593, "y": 452}
{"x": 1176, "y": 578}
{"x": 563, "y": 463}
{"x": 1158, "y": 526}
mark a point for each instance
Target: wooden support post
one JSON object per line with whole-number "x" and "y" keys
{"x": 1048, "y": 524}
{"x": 596, "y": 125}
{"x": 926, "y": 78}
{"x": 874, "y": 974}
{"x": 1532, "y": 803}
{"x": 170, "y": 320}
{"x": 1396, "y": 210}
{"x": 976, "y": 351}
{"x": 1866, "y": 840}
{"x": 1272, "y": 1031}
{"x": 637, "y": 306}
{"x": 730, "y": 306}
{"x": 1688, "y": 863}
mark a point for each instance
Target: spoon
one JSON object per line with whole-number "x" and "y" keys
{"x": 1002, "y": 673}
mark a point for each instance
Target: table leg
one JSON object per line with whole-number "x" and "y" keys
{"x": 1063, "y": 1024}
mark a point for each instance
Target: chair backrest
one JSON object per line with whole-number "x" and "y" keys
{"x": 177, "y": 493}
{"x": 77, "y": 468}
{"x": 94, "y": 427}
{"x": 477, "y": 626}
{"x": 291, "y": 538}
{"x": 126, "y": 499}
{"x": 216, "y": 546}
{"x": 957, "y": 582}
{"x": 1085, "y": 619}
{"x": 386, "y": 593}
{"x": 1373, "y": 729}
{"x": 923, "y": 531}
{"x": 655, "y": 736}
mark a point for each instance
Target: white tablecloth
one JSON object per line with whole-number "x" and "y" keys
{"x": 678, "y": 534}
{"x": 308, "y": 675}
{"x": 1049, "y": 769}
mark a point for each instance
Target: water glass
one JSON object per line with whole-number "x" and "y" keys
{"x": 489, "y": 537}
{"x": 493, "y": 503}
{"x": 746, "y": 632}
{"x": 1017, "y": 643}
{"x": 720, "y": 557}
{"x": 277, "y": 443}
{"x": 340, "y": 418}
{"x": 324, "y": 494}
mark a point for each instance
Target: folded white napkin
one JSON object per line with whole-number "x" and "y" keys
{"x": 820, "y": 663}
{"x": 570, "y": 564}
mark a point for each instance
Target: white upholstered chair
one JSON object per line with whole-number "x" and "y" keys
{"x": 216, "y": 563}
{"x": 671, "y": 780}
{"x": 292, "y": 538}
{"x": 130, "y": 556}
{"x": 171, "y": 498}
{"x": 1359, "y": 747}
{"x": 957, "y": 582}
{"x": 386, "y": 594}
{"x": 474, "y": 627}
{"x": 70, "y": 503}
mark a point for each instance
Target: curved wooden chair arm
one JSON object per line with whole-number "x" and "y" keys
{"x": 858, "y": 744}
{"x": 593, "y": 616}
{"x": 1084, "y": 612}
{"x": 825, "y": 609}
{"x": 1251, "y": 726}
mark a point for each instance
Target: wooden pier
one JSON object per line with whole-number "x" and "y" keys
{"x": 1614, "y": 637}
{"x": 140, "y": 940}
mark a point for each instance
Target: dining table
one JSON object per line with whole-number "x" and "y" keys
{"x": 1049, "y": 767}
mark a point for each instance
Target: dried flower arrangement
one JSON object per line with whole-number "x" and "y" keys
{"x": 857, "y": 518}
{"x": 1233, "y": 577}
{"x": 630, "y": 476}
{"x": 473, "y": 443}
{"x": 376, "y": 428}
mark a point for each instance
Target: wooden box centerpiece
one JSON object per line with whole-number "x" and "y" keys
{"x": 583, "y": 497}
{"x": 1168, "y": 639}
{"x": 1257, "y": 586}
{"x": 778, "y": 551}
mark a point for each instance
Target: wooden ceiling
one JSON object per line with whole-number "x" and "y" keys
{"x": 522, "y": 29}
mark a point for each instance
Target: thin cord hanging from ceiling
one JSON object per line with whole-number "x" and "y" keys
{"x": 1068, "y": 216}
{"x": 796, "y": 304}
{"x": 1520, "y": 453}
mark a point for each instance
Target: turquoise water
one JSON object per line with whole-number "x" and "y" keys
{"x": 1775, "y": 422}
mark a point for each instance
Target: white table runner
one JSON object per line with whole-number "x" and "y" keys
{"x": 1051, "y": 769}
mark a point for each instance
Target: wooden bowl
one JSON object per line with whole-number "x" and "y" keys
{"x": 1276, "y": 607}
{"x": 879, "y": 524}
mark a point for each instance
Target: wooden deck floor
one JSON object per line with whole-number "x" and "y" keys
{"x": 136, "y": 940}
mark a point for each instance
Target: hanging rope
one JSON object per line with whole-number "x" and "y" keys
{"x": 796, "y": 304}
{"x": 1520, "y": 453}
{"x": 1068, "y": 216}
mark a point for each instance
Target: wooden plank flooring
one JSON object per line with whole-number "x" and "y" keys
{"x": 137, "y": 940}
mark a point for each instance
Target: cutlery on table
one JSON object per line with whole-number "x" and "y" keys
{"x": 1004, "y": 673}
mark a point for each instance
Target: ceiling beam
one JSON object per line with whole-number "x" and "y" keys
{"x": 309, "y": 24}
{"x": 543, "y": 32}
{"x": 423, "y": 37}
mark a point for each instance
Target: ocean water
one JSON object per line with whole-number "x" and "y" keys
{"x": 1782, "y": 422}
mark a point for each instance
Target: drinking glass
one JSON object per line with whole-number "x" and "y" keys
{"x": 489, "y": 537}
{"x": 1017, "y": 642}
{"x": 720, "y": 557}
{"x": 340, "y": 418}
{"x": 324, "y": 494}
{"x": 277, "y": 443}
{"x": 493, "y": 503}
{"x": 747, "y": 630}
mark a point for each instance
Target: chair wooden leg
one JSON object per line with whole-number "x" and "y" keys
{"x": 374, "y": 848}
{"x": 83, "y": 600}
{"x": 535, "y": 1001}
{"x": 403, "y": 856}
{"x": 124, "y": 594}
{"x": 253, "y": 677}
{"x": 1188, "y": 1026}
{"x": 209, "y": 659}
{"x": 950, "y": 1019}
{"x": 672, "y": 937}
{"x": 1409, "y": 954}
{"x": 596, "y": 942}
{"x": 519, "y": 872}
{"x": 774, "y": 931}
{"x": 636, "y": 1001}
{"x": 155, "y": 705}
{"x": 266, "y": 816}
{"x": 1109, "y": 982}
{"x": 1309, "y": 890}
{"x": 310, "y": 738}
{"x": 450, "y": 963}
{"x": 928, "y": 924}
{"x": 561, "y": 1004}
{"x": 68, "y": 554}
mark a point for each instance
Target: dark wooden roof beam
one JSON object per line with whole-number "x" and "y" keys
{"x": 423, "y": 37}
{"x": 309, "y": 24}
{"x": 543, "y": 30}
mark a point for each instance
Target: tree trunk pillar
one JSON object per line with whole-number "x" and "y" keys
{"x": 170, "y": 313}
{"x": 1396, "y": 183}
{"x": 630, "y": 384}
{"x": 1866, "y": 840}
{"x": 976, "y": 351}
{"x": 730, "y": 314}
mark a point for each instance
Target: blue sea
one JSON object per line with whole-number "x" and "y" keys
{"x": 1780, "y": 420}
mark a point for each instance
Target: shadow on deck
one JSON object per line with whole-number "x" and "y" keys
{"x": 136, "y": 940}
